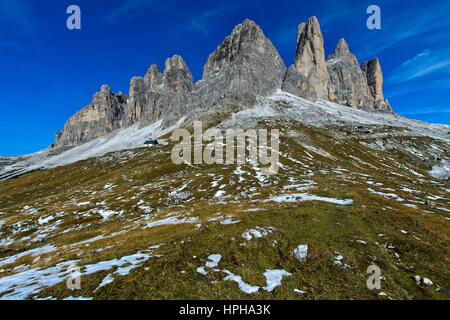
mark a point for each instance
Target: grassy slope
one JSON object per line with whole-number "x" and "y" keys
{"x": 127, "y": 181}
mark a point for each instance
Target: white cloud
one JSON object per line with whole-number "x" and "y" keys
{"x": 422, "y": 64}
{"x": 203, "y": 21}
{"x": 428, "y": 25}
{"x": 127, "y": 10}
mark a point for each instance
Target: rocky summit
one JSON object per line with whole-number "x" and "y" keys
{"x": 354, "y": 85}
{"x": 102, "y": 116}
{"x": 244, "y": 66}
{"x": 308, "y": 77}
{"x": 159, "y": 96}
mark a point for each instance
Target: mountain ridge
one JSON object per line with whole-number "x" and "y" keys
{"x": 245, "y": 65}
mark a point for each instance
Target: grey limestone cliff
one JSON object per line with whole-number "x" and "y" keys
{"x": 339, "y": 79}
{"x": 159, "y": 96}
{"x": 244, "y": 66}
{"x": 102, "y": 116}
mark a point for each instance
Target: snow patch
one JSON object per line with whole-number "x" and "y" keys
{"x": 273, "y": 278}
{"x": 296, "y": 197}
{"x": 214, "y": 260}
{"x": 170, "y": 220}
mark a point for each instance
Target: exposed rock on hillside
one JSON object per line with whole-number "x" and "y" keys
{"x": 100, "y": 117}
{"x": 159, "y": 96}
{"x": 374, "y": 76}
{"x": 244, "y": 66}
{"x": 350, "y": 83}
{"x": 339, "y": 79}
{"x": 309, "y": 77}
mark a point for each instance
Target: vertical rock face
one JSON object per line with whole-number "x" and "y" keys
{"x": 374, "y": 76}
{"x": 244, "y": 66}
{"x": 136, "y": 102}
{"x": 153, "y": 77}
{"x": 372, "y": 69}
{"x": 177, "y": 75}
{"x": 158, "y": 96}
{"x": 350, "y": 83}
{"x": 100, "y": 117}
{"x": 339, "y": 79}
{"x": 309, "y": 69}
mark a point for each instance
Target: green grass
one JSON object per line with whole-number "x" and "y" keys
{"x": 147, "y": 177}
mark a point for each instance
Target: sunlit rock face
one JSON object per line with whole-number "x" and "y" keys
{"x": 102, "y": 116}
{"x": 339, "y": 78}
{"x": 244, "y": 66}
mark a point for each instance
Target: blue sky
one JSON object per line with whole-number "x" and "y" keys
{"x": 49, "y": 72}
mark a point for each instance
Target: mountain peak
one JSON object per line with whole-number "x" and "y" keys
{"x": 153, "y": 77}
{"x": 177, "y": 75}
{"x": 310, "y": 69}
{"x": 246, "y": 24}
{"x": 244, "y": 65}
{"x": 341, "y": 48}
{"x": 175, "y": 61}
{"x": 105, "y": 88}
{"x": 372, "y": 69}
{"x": 342, "y": 51}
{"x": 311, "y": 27}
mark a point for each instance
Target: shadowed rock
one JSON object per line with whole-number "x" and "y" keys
{"x": 160, "y": 96}
{"x": 349, "y": 80}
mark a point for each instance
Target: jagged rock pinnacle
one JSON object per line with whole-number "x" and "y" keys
{"x": 100, "y": 117}
{"x": 308, "y": 78}
{"x": 243, "y": 66}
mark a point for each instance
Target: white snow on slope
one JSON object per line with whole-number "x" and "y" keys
{"x": 296, "y": 197}
{"x": 122, "y": 139}
{"x": 124, "y": 265}
{"x": 29, "y": 282}
{"x": 214, "y": 260}
{"x": 33, "y": 252}
{"x": 24, "y": 284}
{"x": 325, "y": 113}
{"x": 441, "y": 172}
{"x": 320, "y": 113}
{"x": 274, "y": 277}
{"x": 273, "y": 280}
{"x": 247, "y": 288}
{"x": 170, "y": 221}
